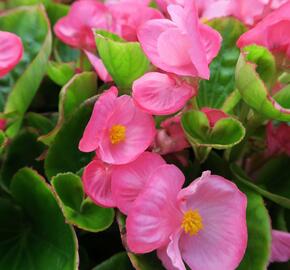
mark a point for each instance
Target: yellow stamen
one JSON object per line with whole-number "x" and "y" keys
{"x": 117, "y": 134}
{"x": 192, "y": 222}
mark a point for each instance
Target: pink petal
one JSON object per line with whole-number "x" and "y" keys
{"x": 154, "y": 216}
{"x": 129, "y": 180}
{"x": 95, "y": 128}
{"x": 97, "y": 183}
{"x": 213, "y": 115}
{"x": 222, "y": 242}
{"x": 99, "y": 67}
{"x": 11, "y": 50}
{"x": 140, "y": 132}
{"x": 75, "y": 29}
{"x": 161, "y": 94}
{"x": 170, "y": 254}
{"x": 280, "y": 246}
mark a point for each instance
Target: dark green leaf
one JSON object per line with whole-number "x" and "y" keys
{"x": 119, "y": 261}
{"x": 33, "y": 233}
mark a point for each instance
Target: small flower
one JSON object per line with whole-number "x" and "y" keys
{"x": 203, "y": 224}
{"x": 161, "y": 94}
{"x": 280, "y": 251}
{"x": 11, "y": 51}
{"x": 118, "y": 131}
{"x": 182, "y": 46}
{"x": 213, "y": 115}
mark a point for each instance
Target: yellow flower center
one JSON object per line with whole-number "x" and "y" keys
{"x": 117, "y": 134}
{"x": 192, "y": 222}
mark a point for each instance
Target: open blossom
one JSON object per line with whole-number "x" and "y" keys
{"x": 272, "y": 32}
{"x": 203, "y": 224}
{"x": 182, "y": 46}
{"x": 75, "y": 29}
{"x": 119, "y": 185}
{"x": 118, "y": 131}
{"x": 11, "y": 51}
{"x": 171, "y": 137}
{"x": 278, "y": 140}
{"x": 129, "y": 15}
{"x": 161, "y": 94}
{"x": 280, "y": 251}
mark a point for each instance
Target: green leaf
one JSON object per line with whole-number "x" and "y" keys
{"x": 81, "y": 87}
{"x": 226, "y": 133}
{"x": 60, "y": 73}
{"x": 119, "y": 261}
{"x": 38, "y": 122}
{"x": 33, "y": 233}
{"x": 56, "y": 11}
{"x": 64, "y": 53}
{"x": 77, "y": 210}
{"x": 242, "y": 178}
{"x": 64, "y": 155}
{"x": 125, "y": 61}
{"x": 23, "y": 151}
{"x": 259, "y": 233}
{"x": 214, "y": 92}
{"x": 32, "y": 25}
{"x": 16, "y": 3}
{"x": 249, "y": 81}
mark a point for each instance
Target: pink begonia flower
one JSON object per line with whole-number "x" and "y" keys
{"x": 99, "y": 67}
{"x": 272, "y": 32}
{"x": 11, "y": 51}
{"x": 130, "y": 15}
{"x": 280, "y": 251}
{"x": 119, "y": 185}
{"x": 163, "y": 4}
{"x": 130, "y": 179}
{"x": 182, "y": 46}
{"x": 278, "y": 140}
{"x": 171, "y": 137}
{"x": 3, "y": 123}
{"x": 76, "y": 29}
{"x": 213, "y": 115}
{"x": 118, "y": 131}
{"x": 203, "y": 224}
{"x": 161, "y": 94}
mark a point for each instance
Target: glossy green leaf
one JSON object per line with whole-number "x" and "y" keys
{"x": 16, "y": 3}
{"x": 56, "y": 11}
{"x": 32, "y": 25}
{"x": 119, "y": 261}
{"x": 125, "y": 61}
{"x": 215, "y": 92}
{"x": 60, "y": 73}
{"x": 64, "y": 155}
{"x": 81, "y": 87}
{"x": 77, "y": 210}
{"x": 242, "y": 178}
{"x": 249, "y": 81}
{"x": 259, "y": 233}
{"x": 226, "y": 133}
{"x": 146, "y": 261}
{"x": 24, "y": 150}
{"x": 38, "y": 122}
{"x": 33, "y": 232}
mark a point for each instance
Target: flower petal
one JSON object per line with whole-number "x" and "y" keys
{"x": 129, "y": 180}
{"x": 280, "y": 246}
{"x": 97, "y": 183}
{"x": 94, "y": 130}
{"x": 222, "y": 242}
{"x": 161, "y": 94}
{"x": 154, "y": 216}
{"x": 11, "y": 50}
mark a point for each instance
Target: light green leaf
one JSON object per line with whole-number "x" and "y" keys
{"x": 125, "y": 61}
{"x": 60, "y": 73}
{"x": 32, "y": 25}
{"x": 255, "y": 65}
{"x": 77, "y": 210}
{"x": 33, "y": 232}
